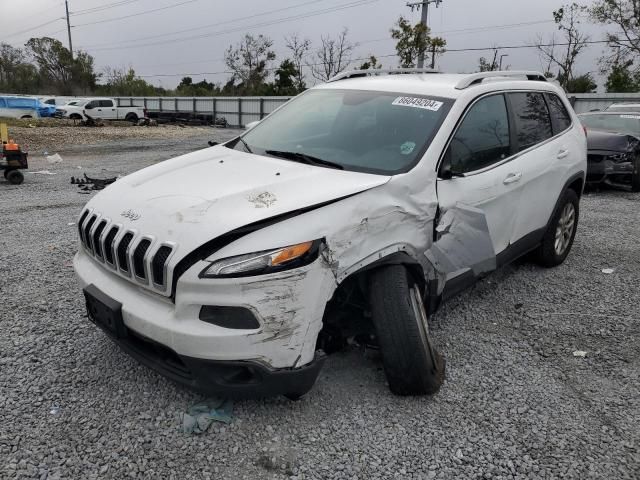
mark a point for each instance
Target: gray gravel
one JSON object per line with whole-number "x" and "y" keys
{"x": 516, "y": 403}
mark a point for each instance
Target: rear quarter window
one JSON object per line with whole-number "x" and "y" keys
{"x": 532, "y": 119}
{"x": 559, "y": 114}
{"x": 21, "y": 103}
{"x": 3, "y": 103}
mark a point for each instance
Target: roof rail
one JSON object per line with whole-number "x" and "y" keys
{"x": 386, "y": 71}
{"x": 476, "y": 78}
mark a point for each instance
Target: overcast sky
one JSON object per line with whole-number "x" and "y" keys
{"x": 158, "y": 46}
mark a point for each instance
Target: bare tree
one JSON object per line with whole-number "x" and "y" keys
{"x": 623, "y": 16}
{"x": 567, "y": 19}
{"x": 333, "y": 56}
{"x": 249, "y": 60}
{"x": 299, "y": 48}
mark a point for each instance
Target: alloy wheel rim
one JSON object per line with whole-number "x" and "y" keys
{"x": 564, "y": 229}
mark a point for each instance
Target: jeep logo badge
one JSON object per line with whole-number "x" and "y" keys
{"x": 131, "y": 215}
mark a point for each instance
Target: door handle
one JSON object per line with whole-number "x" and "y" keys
{"x": 563, "y": 154}
{"x": 512, "y": 178}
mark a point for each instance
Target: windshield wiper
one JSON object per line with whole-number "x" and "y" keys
{"x": 240, "y": 139}
{"x": 304, "y": 158}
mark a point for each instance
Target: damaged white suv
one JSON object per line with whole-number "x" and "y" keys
{"x": 351, "y": 211}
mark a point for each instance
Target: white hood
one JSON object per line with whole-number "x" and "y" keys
{"x": 197, "y": 197}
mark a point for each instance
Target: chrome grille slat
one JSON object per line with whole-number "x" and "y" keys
{"x": 127, "y": 252}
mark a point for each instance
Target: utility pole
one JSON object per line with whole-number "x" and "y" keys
{"x": 424, "y": 17}
{"x": 501, "y": 57}
{"x": 66, "y": 6}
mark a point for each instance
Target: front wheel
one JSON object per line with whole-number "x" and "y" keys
{"x": 558, "y": 239}
{"x": 411, "y": 362}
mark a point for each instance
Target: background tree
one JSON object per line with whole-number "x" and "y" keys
{"x": 57, "y": 68}
{"x": 413, "y": 41}
{"x": 187, "y": 88}
{"x": 485, "y": 65}
{"x": 249, "y": 61}
{"x": 579, "y": 84}
{"x": 286, "y": 79}
{"x": 567, "y": 19}
{"x": 332, "y": 57}
{"x": 121, "y": 82}
{"x": 370, "y": 64}
{"x": 624, "y": 17}
{"x": 16, "y": 74}
{"x": 621, "y": 79}
{"x": 299, "y": 49}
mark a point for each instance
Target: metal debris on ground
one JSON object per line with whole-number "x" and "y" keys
{"x": 580, "y": 353}
{"x": 43, "y": 172}
{"x": 88, "y": 184}
{"x": 55, "y": 158}
{"x": 608, "y": 271}
{"x": 200, "y": 416}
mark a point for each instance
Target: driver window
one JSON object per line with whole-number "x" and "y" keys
{"x": 483, "y": 136}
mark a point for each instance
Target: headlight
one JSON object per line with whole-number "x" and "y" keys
{"x": 267, "y": 261}
{"x": 621, "y": 157}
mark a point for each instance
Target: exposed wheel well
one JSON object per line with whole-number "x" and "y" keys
{"x": 347, "y": 315}
{"x": 577, "y": 185}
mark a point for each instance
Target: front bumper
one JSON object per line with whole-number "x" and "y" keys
{"x": 599, "y": 165}
{"x": 168, "y": 337}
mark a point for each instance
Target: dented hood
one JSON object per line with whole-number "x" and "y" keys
{"x": 195, "y": 198}
{"x": 598, "y": 140}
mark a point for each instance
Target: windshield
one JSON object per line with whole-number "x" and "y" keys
{"x": 374, "y": 132}
{"x": 621, "y": 123}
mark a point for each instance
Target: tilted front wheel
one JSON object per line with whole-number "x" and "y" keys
{"x": 15, "y": 177}
{"x": 411, "y": 362}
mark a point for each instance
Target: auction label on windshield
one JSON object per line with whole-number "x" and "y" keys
{"x": 630, "y": 116}
{"x": 416, "y": 102}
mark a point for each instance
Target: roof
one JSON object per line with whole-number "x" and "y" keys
{"x": 431, "y": 83}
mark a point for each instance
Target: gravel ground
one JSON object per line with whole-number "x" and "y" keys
{"x": 516, "y": 403}
{"x": 68, "y": 138}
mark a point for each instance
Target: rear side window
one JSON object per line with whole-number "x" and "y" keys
{"x": 483, "y": 136}
{"x": 532, "y": 119}
{"x": 106, "y": 103}
{"x": 3, "y": 103}
{"x": 559, "y": 114}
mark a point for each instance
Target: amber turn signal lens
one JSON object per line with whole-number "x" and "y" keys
{"x": 291, "y": 253}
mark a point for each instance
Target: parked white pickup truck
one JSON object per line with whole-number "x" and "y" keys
{"x": 104, "y": 108}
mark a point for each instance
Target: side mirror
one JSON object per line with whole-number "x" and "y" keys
{"x": 250, "y": 125}
{"x": 447, "y": 170}
{"x": 212, "y": 143}
{"x": 89, "y": 106}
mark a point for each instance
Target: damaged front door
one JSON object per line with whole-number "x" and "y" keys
{"x": 475, "y": 171}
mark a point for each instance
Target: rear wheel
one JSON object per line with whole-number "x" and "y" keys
{"x": 131, "y": 117}
{"x": 14, "y": 177}
{"x": 411, "y": 362}
{"x": 635, "y": 176}
{"x": 558, "y": 239}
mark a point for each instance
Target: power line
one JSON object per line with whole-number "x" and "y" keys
{"x": 99, "y": 8}
{"x": 245, "y": 28}
{"x": 472, "y": 49}
{"x": 233, "y": 20}
{"x": 134, "y": 14}
{"x": 33, "y": 28}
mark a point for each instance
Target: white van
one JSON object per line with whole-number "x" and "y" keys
{"x": 232, "y": 269}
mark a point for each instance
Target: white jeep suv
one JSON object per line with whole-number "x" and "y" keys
{"x": 233, "y": 269}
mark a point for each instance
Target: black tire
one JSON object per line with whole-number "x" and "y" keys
{"x": 547, "y": 254}
{"x": 635, "y": 175}
{"x": 411, "y": 362}
{"x": 14, "y": 177}
{"x": 131, "y": 117}
{"x": 26, "y": 116}
{"x": 5, "y": 173}
{"x": 75, "y": 116}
